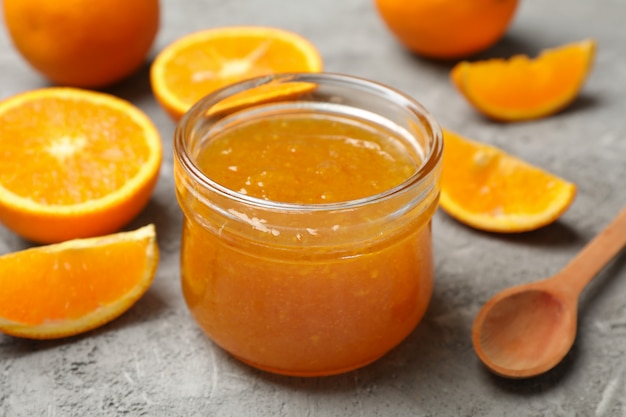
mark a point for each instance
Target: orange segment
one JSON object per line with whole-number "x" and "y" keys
{"x": 522, "y": 88}
{"x": 71, "y": 287}
{"x": 202, "y": 62}
{"x": 74, "y": 163}
{"x": 488, "y": 189}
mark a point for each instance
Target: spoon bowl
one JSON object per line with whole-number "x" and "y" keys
{"x": 526, "y": 330}
{"x": 522, "y": 331}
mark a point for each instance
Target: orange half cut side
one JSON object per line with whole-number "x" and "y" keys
{"x": 74, "y": 163}
{"x": 521, "y": 88}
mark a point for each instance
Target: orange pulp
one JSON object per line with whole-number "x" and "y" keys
{"x": 301, "y": 300}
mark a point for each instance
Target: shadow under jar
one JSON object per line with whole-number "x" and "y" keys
{"x": 307, "y": 202}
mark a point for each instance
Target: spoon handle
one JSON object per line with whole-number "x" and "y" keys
{"x": 596, "y": 254}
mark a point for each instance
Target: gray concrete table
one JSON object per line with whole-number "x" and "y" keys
{"x": 155, "y": 361}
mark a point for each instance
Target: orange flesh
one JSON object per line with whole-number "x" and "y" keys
{"x": 63, "y": 156}
{"x": 313, "y": 310}
{"x": 58, "y": 290}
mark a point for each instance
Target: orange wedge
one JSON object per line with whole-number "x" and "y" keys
{"x": 69, "y": 288}
{"x": 488, "y": 189}
{"x": 522, "y": 88}
{"x": 74, "y": 163}
{"x": 202, "y": 62}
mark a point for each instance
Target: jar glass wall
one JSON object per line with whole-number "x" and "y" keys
{"x": 298, "y": 286}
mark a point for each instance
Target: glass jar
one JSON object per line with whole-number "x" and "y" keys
{"x": 307, "y": 289}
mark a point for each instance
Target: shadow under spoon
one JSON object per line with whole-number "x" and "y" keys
{"x": 528, "y": 329}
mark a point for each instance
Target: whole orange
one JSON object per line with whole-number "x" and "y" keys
{"x": 83, "y": 43}
{"x": 447, "y": 29}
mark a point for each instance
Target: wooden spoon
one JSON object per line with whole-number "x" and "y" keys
{"x": 528, "y": 329}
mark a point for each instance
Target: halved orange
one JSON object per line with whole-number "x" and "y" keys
{"x": 69, "y": 288}
{"x": 521, "y": 88}
{"x": 74, "y": 163}
{"x": 201, "y": 62}
{"x": 484, "y": 187}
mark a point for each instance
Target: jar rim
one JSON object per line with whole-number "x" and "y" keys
{"x": 422, "y": 174}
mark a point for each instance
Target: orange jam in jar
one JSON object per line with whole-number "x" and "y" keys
{"x": 307, "y": 202}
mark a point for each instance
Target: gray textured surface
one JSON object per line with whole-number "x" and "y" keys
{"x": 155, "y": 361}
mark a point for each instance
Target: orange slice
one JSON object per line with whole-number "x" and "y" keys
{"x": 522, "y": 88}
{"x": 265, "y": 93}
{"x": 69, "y": 288}
{"x": 202, "y": 62}
{"x": 488, "y": 189}
{"x": 74, "y": 163}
